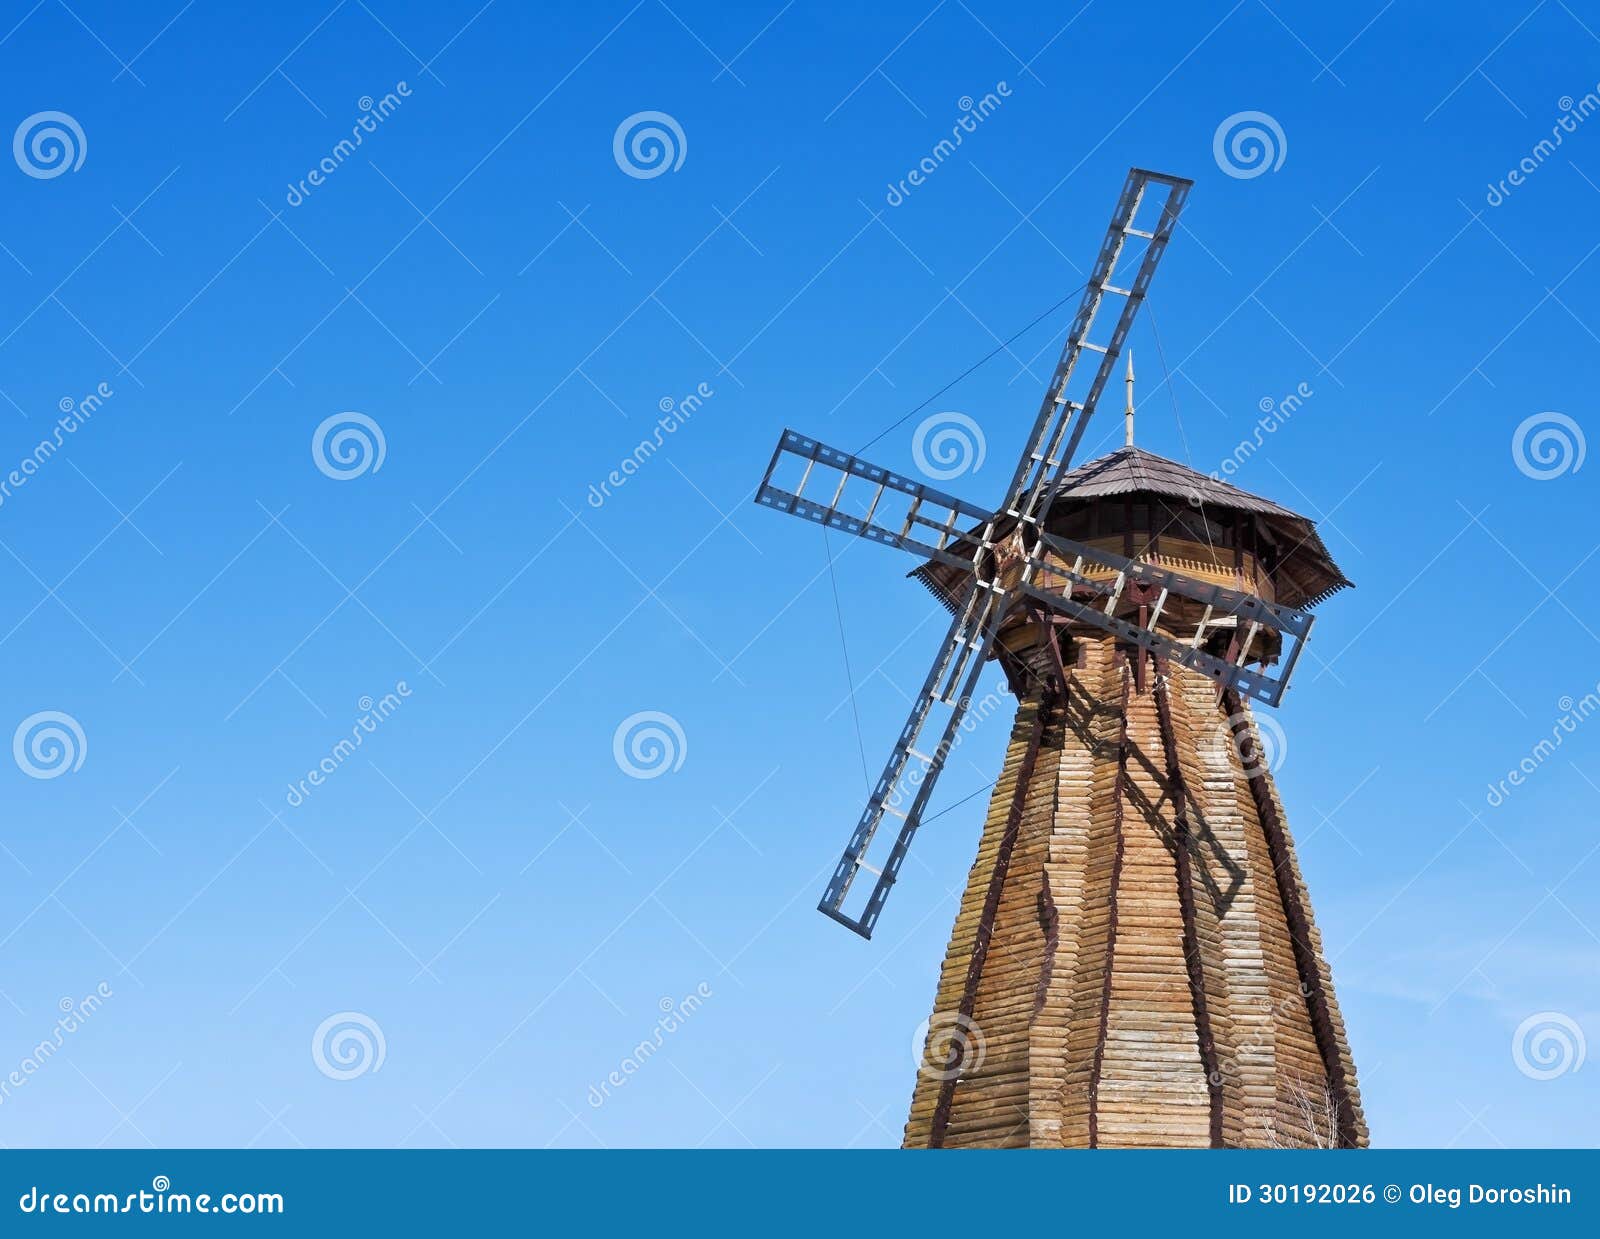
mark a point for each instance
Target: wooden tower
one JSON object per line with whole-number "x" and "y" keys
{"x": 1134, "y": 961}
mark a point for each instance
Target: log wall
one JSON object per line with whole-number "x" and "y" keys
{"x": 1123, "y": 971}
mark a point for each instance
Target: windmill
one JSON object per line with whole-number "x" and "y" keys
{"x": 1133, "y": 960}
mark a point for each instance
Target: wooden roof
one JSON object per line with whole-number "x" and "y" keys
{"x": 1305, "y": 574}
{"x": 1131, "y": 469}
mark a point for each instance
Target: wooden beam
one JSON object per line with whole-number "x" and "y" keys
{"x": 1181, "y": 843}
{"x": 1305, "y": 953}
{"x": 1121, "y": 664}
{"x": 991, "y": 905}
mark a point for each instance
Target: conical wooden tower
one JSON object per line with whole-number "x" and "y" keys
{"x": 1134, "y": 961}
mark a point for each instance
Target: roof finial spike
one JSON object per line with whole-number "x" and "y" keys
{"x": 1127, "y": 415}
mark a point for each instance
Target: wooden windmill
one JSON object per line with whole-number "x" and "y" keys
{"x": 1134, "y": 961}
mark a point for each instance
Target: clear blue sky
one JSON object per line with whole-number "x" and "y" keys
{"x": 480, "y": 879}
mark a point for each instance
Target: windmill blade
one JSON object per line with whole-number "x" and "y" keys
{"x": 1045, "y": 461}
{"x": 930, "y": 526}
{"x": 1043, "y": 464}
{"x": 1228, "y": 601}
{"x": 908, "y": 778}
{"x": 1078, "y": 595}
{"x": 893, "y": 510}
{"x": 1082, "y": 593}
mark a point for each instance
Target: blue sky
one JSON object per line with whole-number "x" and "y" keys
{"x": 481, "y": 881}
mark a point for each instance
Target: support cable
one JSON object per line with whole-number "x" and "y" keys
{"x": 850, "y": 679}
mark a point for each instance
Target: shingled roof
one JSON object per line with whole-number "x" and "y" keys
{"x": 1306, "y": 573}
{"x": 1130, "y": 469}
